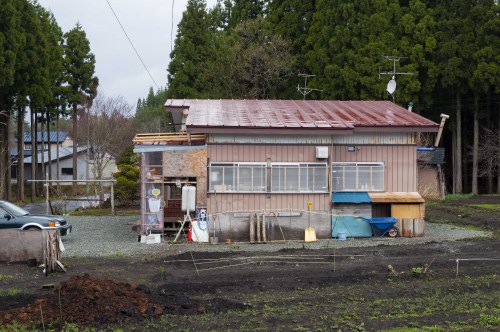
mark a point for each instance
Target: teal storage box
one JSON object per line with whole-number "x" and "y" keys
{"x": 351, "y": 225}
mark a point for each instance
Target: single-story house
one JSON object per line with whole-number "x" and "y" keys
{"x": 267, "y": 169}
{"x": 85, "y": 166}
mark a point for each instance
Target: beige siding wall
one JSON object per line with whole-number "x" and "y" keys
{"x": 248, "y": 153}
{"x": 399, "y": 160}
{"x": 400, "y": 163}
{"x": 259, "y": 202}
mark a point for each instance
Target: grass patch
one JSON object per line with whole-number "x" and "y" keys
{"x": 4, "y": 277}
{"x": 454, "y": 197}
{"x": 495, "y": 207}
{"x": 11, "y": 292}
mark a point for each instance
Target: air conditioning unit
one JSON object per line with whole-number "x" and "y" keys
{"x": 322, "y": 152}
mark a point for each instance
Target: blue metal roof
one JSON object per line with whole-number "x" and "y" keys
{"x": 54, "y": 137}
{"x": 351, "y": 197}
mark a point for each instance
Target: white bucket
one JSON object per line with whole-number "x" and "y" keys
{"x": 342, "y": 236}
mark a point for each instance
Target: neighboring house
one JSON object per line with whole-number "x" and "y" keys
{"x": 430, "y": 172}
{"x": 85, "y": 169}
{"x": 263, "y": 161}
{"x": 56, "y": 138}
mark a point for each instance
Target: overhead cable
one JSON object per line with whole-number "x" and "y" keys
{"x": 132, "y": 44}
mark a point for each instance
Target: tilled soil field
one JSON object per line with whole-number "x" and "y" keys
{"x": 395, "y": 288}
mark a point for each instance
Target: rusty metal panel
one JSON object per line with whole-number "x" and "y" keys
{"x": 377, "y": 138}
{"x": 269, "y": 139}
{"x": 298, "y": 114}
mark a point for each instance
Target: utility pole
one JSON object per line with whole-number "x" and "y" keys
{"x": 305, "y": 90}
{"x": 391, "y": 85}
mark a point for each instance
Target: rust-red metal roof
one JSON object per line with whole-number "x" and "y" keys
{"x": 297, "y": 114}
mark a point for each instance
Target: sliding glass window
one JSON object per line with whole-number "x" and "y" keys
{"x": 367, "y": 176}
{"x": 237, "y": 177}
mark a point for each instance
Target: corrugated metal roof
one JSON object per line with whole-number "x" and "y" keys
{"x": 54, "y": 137}
{"x": 297, "y": 114}
{"x": 63, "y": 153}
{"x": 351, "y": 197}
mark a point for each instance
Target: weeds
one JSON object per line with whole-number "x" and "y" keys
{"x": 454, "y": 197}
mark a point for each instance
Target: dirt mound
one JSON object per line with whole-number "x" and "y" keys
{"x": 86, "y": 300}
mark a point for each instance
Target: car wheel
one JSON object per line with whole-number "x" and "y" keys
{"x": 32, "y": 229}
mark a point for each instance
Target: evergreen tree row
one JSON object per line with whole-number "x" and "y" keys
{"x": 256, "y": 49}
{"x": 43, "y": 70}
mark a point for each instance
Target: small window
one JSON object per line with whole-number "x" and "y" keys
{"x": 237, "y": 177}
{"x": 358, "y": 176}
{"x": 299, "y": 177}
{"x": 67, "y": 171}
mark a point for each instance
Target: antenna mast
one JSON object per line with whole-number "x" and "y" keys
{"x": 305, "y": 90}
{"x": 391, "y": 85}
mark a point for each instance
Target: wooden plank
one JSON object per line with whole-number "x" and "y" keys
{"x": 396, "y": 197}
{"x": 406, "y": 211}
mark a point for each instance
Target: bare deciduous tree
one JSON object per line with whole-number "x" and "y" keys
{"x": 489, "y": 152}
{"x": 107, "y": 127}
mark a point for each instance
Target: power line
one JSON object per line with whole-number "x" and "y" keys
{"x": 132, "y": 44}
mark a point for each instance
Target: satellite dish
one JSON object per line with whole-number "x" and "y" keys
{"x": 391, "y": 85}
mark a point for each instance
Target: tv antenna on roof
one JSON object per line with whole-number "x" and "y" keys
{"x": 391, "y": 85}
{"x": 305, "y": 90}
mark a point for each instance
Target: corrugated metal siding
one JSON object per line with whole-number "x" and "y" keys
{"x": 261, "y": 202}
{"x": 400, "y": 163}
{"x": 269, "y": 139}
{"x": 400, "y": 172}
{"x": 376, "y": 138}
{"x": 260, "y": 153}
{"x": 258, "y": 202}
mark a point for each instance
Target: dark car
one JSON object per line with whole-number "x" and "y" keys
{"x": 13, "y": 216}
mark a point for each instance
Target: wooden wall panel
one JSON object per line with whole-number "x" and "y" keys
{"x": 400, "y": 211}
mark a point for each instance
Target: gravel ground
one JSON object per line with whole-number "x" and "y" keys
{"x": 113, "y": 236}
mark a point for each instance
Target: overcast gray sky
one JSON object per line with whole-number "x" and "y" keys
{"x": 148, "y": 24}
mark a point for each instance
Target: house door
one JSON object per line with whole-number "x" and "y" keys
{"x": 173, "y": 201}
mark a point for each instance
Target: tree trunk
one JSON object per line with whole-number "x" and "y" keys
{"x": 33, "y": 155}
{"x": 75, "y": 156}
{"x": 454, "y": 159}
{"x": 489, "y": 124}
{"x": 475, "y": 146}
{"x": 498, "y": 159}
{"x": 42, "y": 150}
{"x": 58, "y": 170}
{"x": 20, "y": 154}
{"x": 458, "y": 154}
{"x": 8, "y": 163}
{"x": 3, "y": 150}
{"x": 49, "y": 152}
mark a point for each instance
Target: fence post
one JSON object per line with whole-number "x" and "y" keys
{"x": 47, "y": 198}
{"x": 112, "y": 198}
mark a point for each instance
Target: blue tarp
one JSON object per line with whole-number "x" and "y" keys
{"x": 351, "y": 197}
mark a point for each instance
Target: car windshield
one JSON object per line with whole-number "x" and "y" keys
{"x": 15, "y": 210}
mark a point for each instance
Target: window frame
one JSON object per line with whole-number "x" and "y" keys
{"x": 301, "y": 166}
{"x": 356, "y": 166}
{"x": 237, "y": 183}
{"x": 64, "y": 171}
